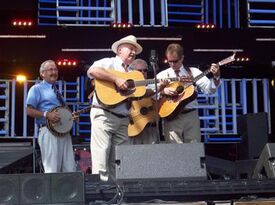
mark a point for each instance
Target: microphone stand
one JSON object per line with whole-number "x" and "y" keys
{"x": 153, "y": 62}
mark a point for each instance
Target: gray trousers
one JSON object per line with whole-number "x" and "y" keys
{"x": 147, "y": 136}
{"x": 184, "y": 128}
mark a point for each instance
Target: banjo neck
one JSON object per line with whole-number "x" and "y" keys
{"x": 84, "y": 110}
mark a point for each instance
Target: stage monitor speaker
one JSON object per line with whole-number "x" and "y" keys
{"x": 67, "y": 187}
{"x": 35, "y": 189}
{"x": 265, "y": 167}
{"x": 9, "y": 189}
{"x": 160, "y": 161}
{"x": 42, "y": 188}
{"x": 253, "y": 128}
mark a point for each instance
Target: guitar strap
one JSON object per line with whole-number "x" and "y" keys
{"x": 191, "y": 76}
{"x": 189, "y": 72}
{"x": 92, "y": 89}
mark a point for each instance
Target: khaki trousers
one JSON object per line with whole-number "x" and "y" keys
{"x": 107, "y": 131}
{"x": 184, "y": 128}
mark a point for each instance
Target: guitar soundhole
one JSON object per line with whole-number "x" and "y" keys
{"x": 131, "y": 84}
{"x": 144, "y": 110}
{"x": 131, "y": 88}
{"x": 180, "y": 89}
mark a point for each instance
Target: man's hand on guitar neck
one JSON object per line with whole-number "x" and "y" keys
{"x": 215, "y": 69}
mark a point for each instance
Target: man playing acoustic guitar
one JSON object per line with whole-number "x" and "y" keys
{"x": 56, "y": 152}
{"x": 142, "y": 129}
{"x": 178, "y": 103}
{"x": 110, "y": 123}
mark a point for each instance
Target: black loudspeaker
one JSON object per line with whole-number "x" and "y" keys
{"x": 265, "y": 167}
{"x": 35, "y": 189}
{"x": 42, "y": 188}
{"x": 9, "y": 189}
{"x": 253, "y": 129}
{"x": 160, "y": 161}
{"x": 67, "y": 187}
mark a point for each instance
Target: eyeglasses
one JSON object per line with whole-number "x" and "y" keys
{"x": 143, "y": 70}
{"x": 174, "y": 61}
{"x": 51, "y": 69}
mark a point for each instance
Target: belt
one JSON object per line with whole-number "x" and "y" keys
{"x": 109, "y": 111}
{"x": 188, "y": 110}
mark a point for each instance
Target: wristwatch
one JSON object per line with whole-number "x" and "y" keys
{"x": 217, "y": 78}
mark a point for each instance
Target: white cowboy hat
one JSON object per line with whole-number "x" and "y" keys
{"x": 128, "y": 39}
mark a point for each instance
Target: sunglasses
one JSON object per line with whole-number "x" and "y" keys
{"x": 174, "y": 62}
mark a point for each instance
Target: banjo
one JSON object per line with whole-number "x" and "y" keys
{"x": 67, "y": 118}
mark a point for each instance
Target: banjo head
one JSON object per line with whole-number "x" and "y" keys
{"x": 65, "y": 124}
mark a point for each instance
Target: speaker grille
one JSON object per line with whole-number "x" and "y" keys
{"x": 160, "y": 161}
{"x": 52, "y": 188}
{"x": 9, "y": 189}
{"x": 35, "y": 188}
{"x": 68, "y": 187}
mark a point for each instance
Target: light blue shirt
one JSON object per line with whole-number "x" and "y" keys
{"x": 43, "y": 98}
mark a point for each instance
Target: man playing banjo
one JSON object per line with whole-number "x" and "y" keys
{"x": 56, "y": 151}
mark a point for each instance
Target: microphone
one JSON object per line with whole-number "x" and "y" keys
{"x": 153, "y": 62}
{"x": 153, "y": 57}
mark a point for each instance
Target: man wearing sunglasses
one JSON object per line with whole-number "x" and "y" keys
{"x": 184, "y": 127}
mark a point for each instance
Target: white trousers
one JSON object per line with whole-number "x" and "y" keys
{"x": 56, "y": 152}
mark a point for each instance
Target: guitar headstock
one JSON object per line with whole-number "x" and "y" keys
{"x": 227, "y": 60}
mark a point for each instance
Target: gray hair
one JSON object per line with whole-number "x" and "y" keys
{"x": 136, "y": 62}
{"x": 42, "y": 67}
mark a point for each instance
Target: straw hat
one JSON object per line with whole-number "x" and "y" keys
{"x": 128, "y": 39}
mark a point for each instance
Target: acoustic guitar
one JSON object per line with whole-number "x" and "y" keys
{"x": 142, "y": 112}
{"x": 110, "y": 95}
{"x": 170, "y": 106}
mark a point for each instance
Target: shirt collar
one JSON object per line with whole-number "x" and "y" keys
{"x": 181, "y": 69}
{"x": 47, "y": 83}
{"x": 120, "y": 63}
{"x": 119, "y": 60}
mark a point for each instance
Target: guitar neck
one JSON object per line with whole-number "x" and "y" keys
{"x": 145, "y": 82}
{"x": 197, "y": 78}
{"x": 220, "y": 63}
{"x": 152, "y": 81}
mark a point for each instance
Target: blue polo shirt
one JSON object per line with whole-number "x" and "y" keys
{"x": 43, "y": 98}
